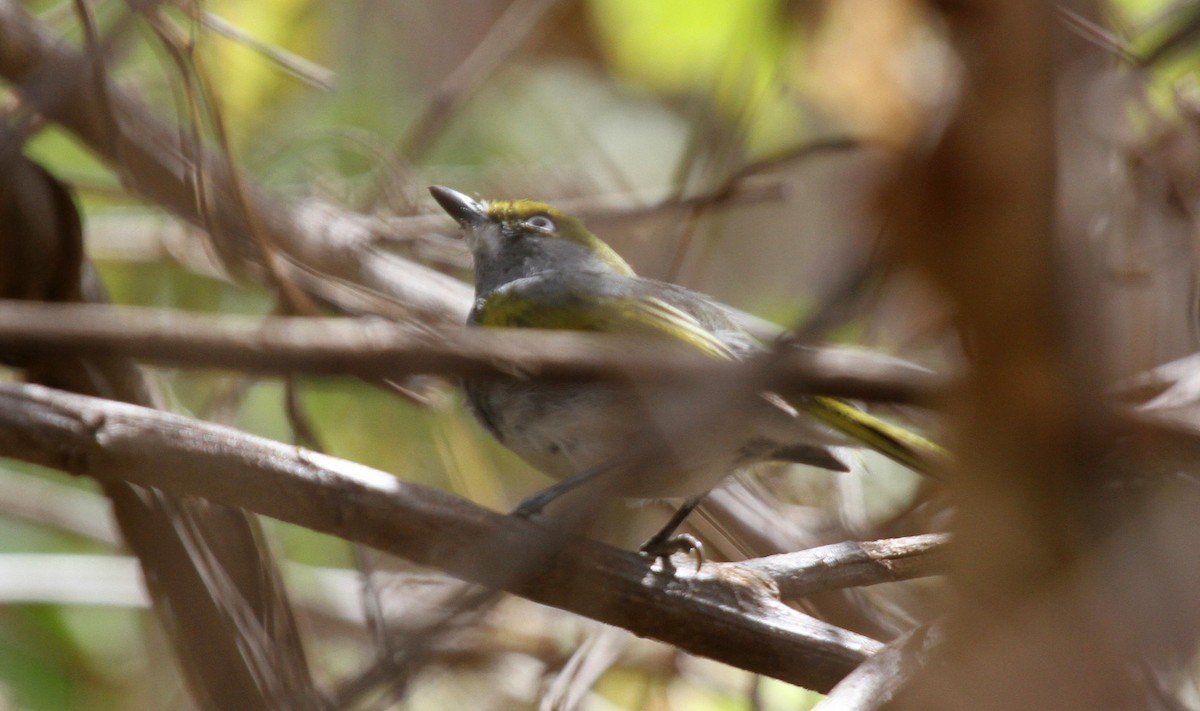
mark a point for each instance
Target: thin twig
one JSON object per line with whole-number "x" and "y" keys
{"x": 191, "y": 139}
{"x": 299, "y": 67}
{"x": 505, "y": 37}
{"x": 1100, "y": 36}
{"x": 851, "y": 564}
{"x": 292, "y": 299}
{"x": 329, "y": 250}
{"x": 378, "y": 349}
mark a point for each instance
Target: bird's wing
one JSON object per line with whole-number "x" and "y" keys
{"x": 528, "y": 304}
{"x": 627, "y": 308}
{"x": 896, "y": 443}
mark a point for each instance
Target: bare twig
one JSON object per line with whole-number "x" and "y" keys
{"x": 851, "y": 564}
{"x": 199, "y": 93}
{"x": 374, "y": 348}
{"x": 504, "y": 38}
{"x": 110, "y": 579}
{"x": 331, "y": 253}
{"x": 506, "y": 35}
{"x": 733, "y": 184}
{"x": 1184, "y": 22}
{"x": 67, "y": 579}
{"x": 299, "y": 67}
{"x": 191, "y": 135}
{"x": 427, "y": 626}
{"x": 327, "y": 250}
{"x": 1099, "y": 35}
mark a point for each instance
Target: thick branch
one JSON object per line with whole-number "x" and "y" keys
{"x": 728, "y": 616}
{"x": 988, "y": 213}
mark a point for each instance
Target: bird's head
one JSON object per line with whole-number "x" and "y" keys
{"x": 512, "y": 239}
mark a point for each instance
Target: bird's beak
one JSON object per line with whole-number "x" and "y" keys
{"x": 466, "y": 211}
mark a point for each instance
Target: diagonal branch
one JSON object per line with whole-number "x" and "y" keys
{"x": 731, "y": 616}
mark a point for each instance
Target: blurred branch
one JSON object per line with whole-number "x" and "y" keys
{"x": 699, "y": 206}
{"x": 331, "y": 253}
{"x": 376, "y": 348}
{"x": 506, "y": 35}
{"x": 871, "y": 686}
{"x": 199, "y": 94}
{"x": 1182, "y": 23}
{"x": 215, "y": 588}
{"x": 731, "y": 618}
{"x": 1170, "y": 385}
{"x": 996, "y": 214}
{"x": 747, "y": 185}
{"x": 1099, "y": 35}
{"x": 294, "y": 65}
{"x": 71, "y": 579}
{"x": 326, "y": 250}
{"x": 57, "y": 506}
{"x": 87, "y": 579}
{"x": 410, "y": 644}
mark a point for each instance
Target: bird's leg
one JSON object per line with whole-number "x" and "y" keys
{"x": 665, "y": 543}
{"x": 533, "y": 504}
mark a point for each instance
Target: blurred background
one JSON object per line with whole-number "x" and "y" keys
{"x": 737, "y": 148}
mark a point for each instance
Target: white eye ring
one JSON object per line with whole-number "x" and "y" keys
{"x": 541, "y": 222}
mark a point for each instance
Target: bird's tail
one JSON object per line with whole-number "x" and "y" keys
{"x": 910, "y": 449}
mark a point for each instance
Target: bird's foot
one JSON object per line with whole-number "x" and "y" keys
{"x": 533, "y": 505}
{"x": 661, "y": 548}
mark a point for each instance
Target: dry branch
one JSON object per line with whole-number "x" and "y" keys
{"x": 213, "y": 582}
{"x": 729, "y": 614}
{"x": 852, "y": 564}
{"x": 377, "y": 348}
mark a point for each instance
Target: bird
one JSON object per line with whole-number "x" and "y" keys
{"x": 538, "y": 267}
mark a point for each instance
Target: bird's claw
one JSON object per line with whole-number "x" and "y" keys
{"x": 662, "y": 549}
{"x": 531, "y": 506}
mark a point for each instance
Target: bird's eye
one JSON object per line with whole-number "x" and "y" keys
{"x": 541, "y": 222}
